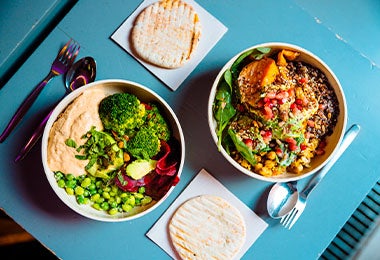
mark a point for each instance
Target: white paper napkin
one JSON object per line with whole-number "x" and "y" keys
{"x": 212, "y": 32}
{"x": 202, "y": 184}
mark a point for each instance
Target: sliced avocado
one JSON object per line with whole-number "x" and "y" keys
{"x": 116, "y": 156}
{"x": 139, "y": 168}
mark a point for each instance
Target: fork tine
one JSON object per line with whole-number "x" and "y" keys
{"x": 289, "y": 220}
{"x": 62, "y": 52}
{"x": 294, "y": 219}
{"x": 285, "y": 218}
{"x": 72, "y": 53}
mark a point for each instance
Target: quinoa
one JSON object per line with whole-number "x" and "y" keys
{"x": 280, "y": 126}
{"x": 326, "y": 117}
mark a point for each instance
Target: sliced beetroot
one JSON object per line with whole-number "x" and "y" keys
{"x": 159, "y": 181}
{"x": 159, "y": 185}
{"x": 165, "y": 165}
{"x": 126, "y": 183}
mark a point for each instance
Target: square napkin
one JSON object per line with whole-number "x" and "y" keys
{"x": 203, "y": 184}
{"x": 211, "y": 32}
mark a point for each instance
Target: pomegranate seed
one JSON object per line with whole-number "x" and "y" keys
{"x": 271, "y": 95}
{"x": 248, "y": 142}
{"x": 302, "y": 80}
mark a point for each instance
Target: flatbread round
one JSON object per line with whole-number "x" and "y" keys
{"x": 166, "y": 33}
{"x": 207, "y": 227}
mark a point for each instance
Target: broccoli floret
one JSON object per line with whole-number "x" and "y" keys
{"x": 121, "y": 112}
{"x": 144, "y": 145}
{"x": 157, "y": 123}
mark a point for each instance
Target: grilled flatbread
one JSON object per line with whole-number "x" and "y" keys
{"x": 166, "y": 33}
{"x": 207, "y": 227}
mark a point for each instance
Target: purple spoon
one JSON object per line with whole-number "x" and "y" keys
{"x": 80, "y": 73}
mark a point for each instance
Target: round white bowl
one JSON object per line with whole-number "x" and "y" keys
{"x": 333, "y": 141}
{"x": 112, "y": 86}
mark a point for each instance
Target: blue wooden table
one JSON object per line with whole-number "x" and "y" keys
{"x": 345, "y": 36}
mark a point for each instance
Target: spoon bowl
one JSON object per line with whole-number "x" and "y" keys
{"x": 282, "y": 198}
{"x": 81, "y": 73}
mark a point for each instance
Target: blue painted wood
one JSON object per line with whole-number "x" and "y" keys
{"x": 23, "y": 24}
{"x": 27, "y": 197}
{"x": 358, "y": 226}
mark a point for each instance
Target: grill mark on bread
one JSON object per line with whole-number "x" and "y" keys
{"x": 166, "y": 33}
{"x": 207, "y": 226}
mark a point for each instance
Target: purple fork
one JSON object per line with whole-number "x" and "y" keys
{"x": 61, "y": 64}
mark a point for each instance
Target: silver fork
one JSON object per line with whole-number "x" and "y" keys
{"x": 61, "y": 64}
{"x": 288, "y": 220}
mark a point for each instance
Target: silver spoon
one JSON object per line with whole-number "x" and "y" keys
{"x": 283, "y": 196}
{"x": 80, "y": 73}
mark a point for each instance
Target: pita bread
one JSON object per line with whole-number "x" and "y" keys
{"x": 166, "y": 33}
{"x": 207, "y": 227}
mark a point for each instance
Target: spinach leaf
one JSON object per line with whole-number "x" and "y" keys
{"x": 242, "y": 148}
{"x": 256, "y": 54}
{"x": 260, "y": 52}
{"x": 223, "y": 109}
{"x": 228, "y": 79}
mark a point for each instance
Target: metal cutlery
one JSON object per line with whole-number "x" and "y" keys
{"x": 61, "y": 64}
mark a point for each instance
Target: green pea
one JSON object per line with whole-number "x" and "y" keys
{"x": 69, "y": 191}
{"x": 131, "y": 201}
{"x": 105, "y": 206}
{"x": 100, "y": 200}
{"x": 92, "y": 186}
{"x": 86, "y": 193}
{"x": 59, "y": 175}
{"x": 71, "y": 183}
{"x": 146, "y": 200}
{"x": 70, "y": 177}
{"x": 80, "y": 199}
{"x": 112, "y": 211}
{"x": 86, "y": 182}
{"x": 95, "y": 197}
{"x": 141, "y": 189}
{"x": 79, "y": 190}
{"x": 106, "y": 195}
{"x": 126, "y": 207}
{"x": 113, "y": 204}
{"x": 96, "y": 206}
{"x": 61, "y": 183}
{"x": 138, "y": 196}
{"x": 118, "y": 199}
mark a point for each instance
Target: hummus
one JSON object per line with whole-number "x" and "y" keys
{"x": 73, "y": 123}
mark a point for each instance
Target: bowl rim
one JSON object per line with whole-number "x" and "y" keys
{"x": 50, "y": 175}
{"x": 276, "y": 45}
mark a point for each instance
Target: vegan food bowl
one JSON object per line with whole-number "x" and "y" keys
{"x": 277, "y": 112}
{"x": 113, "y": 150}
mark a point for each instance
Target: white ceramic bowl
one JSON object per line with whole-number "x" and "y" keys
{"x": 332, "y": 141}
{"x": 113, "y": 86}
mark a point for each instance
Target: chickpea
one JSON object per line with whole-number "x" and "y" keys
{"x": 271, "y": 155}
{"x": 270, "y": 164}
{"x": 265, "y": 171}
{"x": 297, "y": 168}
{"x": 258, "y": 167}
